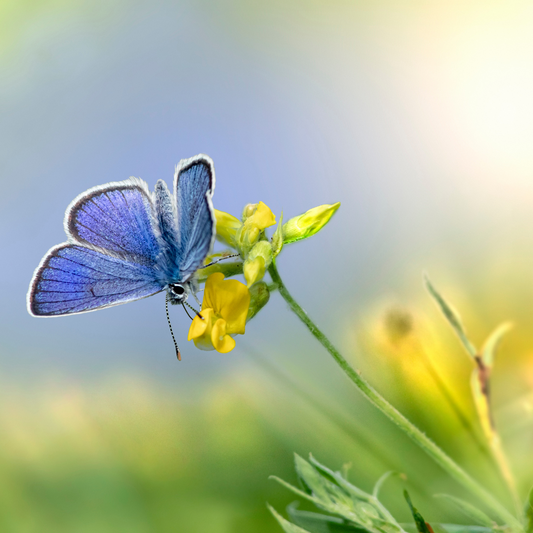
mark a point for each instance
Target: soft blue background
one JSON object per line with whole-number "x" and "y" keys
{"x": 298, "y": 104}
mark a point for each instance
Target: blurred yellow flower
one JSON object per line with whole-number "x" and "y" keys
{"x": 224, "y": 311}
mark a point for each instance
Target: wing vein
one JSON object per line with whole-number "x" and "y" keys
{"x": 91, "y": 297}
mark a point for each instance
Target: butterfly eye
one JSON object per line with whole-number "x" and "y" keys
{"x": 178, "y": 290}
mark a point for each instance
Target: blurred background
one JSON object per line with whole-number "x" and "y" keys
{"x": 417, "y": 116}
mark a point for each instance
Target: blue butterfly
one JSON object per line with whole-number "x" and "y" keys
{"x": 125, "y": 243}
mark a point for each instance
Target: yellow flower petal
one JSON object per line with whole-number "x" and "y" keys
{"x": 263, "y": 216}
{"x": 227, "y": 226}
{"x": 229, "y": 300}
{"x": 222, "y": 342}
{"x": 260, "y": 217}
{"x": 199, "y": 326}
{"x": 200, "y": 330}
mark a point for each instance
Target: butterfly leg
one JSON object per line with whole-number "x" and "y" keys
{"x": 197, "y": 300}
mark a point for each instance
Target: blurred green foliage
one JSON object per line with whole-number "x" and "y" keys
{"x": 130, "y": 455}
{"x": 132, "y": 458}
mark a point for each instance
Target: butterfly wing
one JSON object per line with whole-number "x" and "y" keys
{"x": 117, "y": 218}
{"x": 76, "y": 279}
{"x": 110, "y": 256}
{"x": 194, "y": 183}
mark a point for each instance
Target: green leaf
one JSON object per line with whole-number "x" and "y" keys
{"x": 368, "y": 511}
{"x": 477, "y": 516}
{"x": 529, "y": 512}
{"x": 492, "y": 343}
{"x": 310, "y": 479}
{"x": 452, "y": 316}
{"x": 337, "y": 478}
{"x": 285, "y": 524}
{"x": 450, "y": 528}
{"x": 322, "y": 487}
{"x": 277, "y": 238}
{"x": 381, "y": 480}
{"x": 320, "y": 523}
{"x": 421, "y": 525}
{"x": 295, "y": 490}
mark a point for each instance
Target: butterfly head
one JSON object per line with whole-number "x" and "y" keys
{"x": 178, "y": 293}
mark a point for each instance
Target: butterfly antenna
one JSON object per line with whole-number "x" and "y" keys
{"x": 187, "y": 312}
{"x": 178, "y": 354}
{"x": 197, "y": 313}
{"x": 220, "y": 259}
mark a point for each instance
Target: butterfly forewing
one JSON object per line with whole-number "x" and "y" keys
{"x": 118, "y": 218}
{"x": 194, "y": 185}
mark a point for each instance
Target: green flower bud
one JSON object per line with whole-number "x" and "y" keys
{"x": 248, "y": 211}
{"x": 257, "y": 262}
{"x": 260, "y": 295}
{"x": 306, "y": 225}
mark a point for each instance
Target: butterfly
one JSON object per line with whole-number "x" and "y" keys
{"x": 125, "y": 243}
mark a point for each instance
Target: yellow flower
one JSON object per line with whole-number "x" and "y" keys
{"x": 257, "y": 217}
{"x": 224, "y": 311}
{"x": 243, "y": 235}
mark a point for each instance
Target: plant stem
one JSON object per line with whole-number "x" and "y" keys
{"x": 392, "y": 413}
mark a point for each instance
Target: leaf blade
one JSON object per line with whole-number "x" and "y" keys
{"x": 452, "y": 316}
{"x": 475, "y": 514}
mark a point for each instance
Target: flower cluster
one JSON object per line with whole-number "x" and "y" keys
{"x": 229, "y": 304}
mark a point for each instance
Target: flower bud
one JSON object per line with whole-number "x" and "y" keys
{"x": 254, "y": 270}
{"x": 261, "y": 217}
{"x": 227, "y": 226}
{"x": 306, "y": 225}
{"x": 248, "y": 211}
{"x": 257, "y": 262}
{"x": 260, "y": 295}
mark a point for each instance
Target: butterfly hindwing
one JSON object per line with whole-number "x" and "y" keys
{"x": 76, "y": 279}
{"x": 194, "y": 183}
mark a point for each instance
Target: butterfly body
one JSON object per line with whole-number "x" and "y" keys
{"x": 125, "y": 243}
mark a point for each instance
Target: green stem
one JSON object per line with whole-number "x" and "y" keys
{"x": 392, "y": 413}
